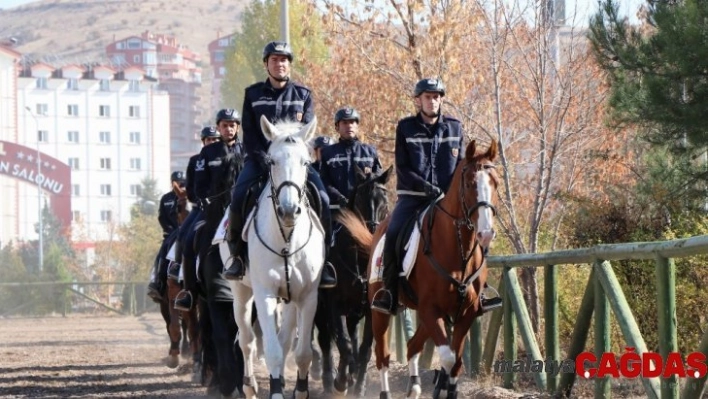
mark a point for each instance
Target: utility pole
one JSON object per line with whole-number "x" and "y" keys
{"x": 284, "y": 22}
{"x": 39, "y": 194}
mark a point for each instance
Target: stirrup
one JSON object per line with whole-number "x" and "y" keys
{"x": 492, "y": 303}
{"x": 377, "y": 296}
{"x": 184, "y": 294}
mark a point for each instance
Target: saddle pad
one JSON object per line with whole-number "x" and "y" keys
{"x": 172, "y": 253}
{"x": 220, "y": 235}
{"x": 408, "y": 261}
{"x": 225, "y": 254}
{"x": 180, "y": 276}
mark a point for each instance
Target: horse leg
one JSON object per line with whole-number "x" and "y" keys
{"x": 184, "y": 323}
{"x": 229, "y": 364}
{"x": 435, "y": 326}
{"x": 364, "y": 356}
{"x": 194, "y": 342}
{"x": 286, "y": 332}
{"x": 379, "y": 325}
{"x": 266, "y": 306}
{"x": 243, "y": 308}
{"x": 324, "y": 339}
{"x": 415, "y": 346}
{"x": 174, "y": 327}
{"x": 458, "y": 342}
{"x": 303, "y": 352}
{"x": 344, "y": 345}
{"x": 352, "y": 324}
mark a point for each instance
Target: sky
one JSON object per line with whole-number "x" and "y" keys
{"x": 585, "y": 8}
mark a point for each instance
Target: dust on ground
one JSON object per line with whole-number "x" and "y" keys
{"x": 122, "y": 357}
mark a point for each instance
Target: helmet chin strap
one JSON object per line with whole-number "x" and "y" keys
{"x": 278, "y": 79}
{"x": 436, "y": 115}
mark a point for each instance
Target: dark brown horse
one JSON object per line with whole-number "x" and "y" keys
{"x": 448, "y": 274}
{"x": 178, "y": 322}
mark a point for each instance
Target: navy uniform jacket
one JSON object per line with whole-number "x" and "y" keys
{"x": 337, "y": 166}
{"x": 167, "y": 213}
{"x": 293, "y": 102}
{"x": 211, "y": 169}
{"x": 189, "y": 180}
{"x": 427, "y": 156}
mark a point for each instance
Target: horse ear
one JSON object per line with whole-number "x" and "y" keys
{"x": 267, "y": 128}
{"x": 360, "y": 175}
{"x": 383, "y": 177}
{"x": 309, "y": 130}
{"x": 471, "y": 149}
{"x": 492, "y": 151}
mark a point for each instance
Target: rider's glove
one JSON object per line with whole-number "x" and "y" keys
{"x": 432, "y": 191}
{"x": 342, "y": 201}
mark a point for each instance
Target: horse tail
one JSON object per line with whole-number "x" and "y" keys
{"x": 358, "y": 230}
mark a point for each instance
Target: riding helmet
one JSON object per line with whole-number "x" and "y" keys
{"x": 209, "y": 132}
{"x": 281, "y": 48}
{"x": 429, "y": 85}
{"x": 228, "y": 114}
{"x": 349, "y": 114}
{"x": 177, "y": 176}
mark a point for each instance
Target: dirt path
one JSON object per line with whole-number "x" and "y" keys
{"x": 121, "y": 357}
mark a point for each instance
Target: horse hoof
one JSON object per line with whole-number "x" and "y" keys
{"x": 301, "y": 395}
{"x": 250, "y": 387}
{"x": 385, "y": 395}
{"x": 172, "y": 361}
{"x": 340, "y": 386}
{"x": 414, "y": 392}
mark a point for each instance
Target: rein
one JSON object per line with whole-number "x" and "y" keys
{"x": 465, "y": 221}
{"x": 285, "y": 253}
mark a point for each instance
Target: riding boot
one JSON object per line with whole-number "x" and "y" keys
{"x": 328, "y": 278}
{"x": 236, "y": 246}
{"x": 386, "y": 300}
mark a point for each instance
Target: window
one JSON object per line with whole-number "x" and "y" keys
{"x": 134, "y": 86}
{"x": 134, "y": 111}
{"x": 105, "y": 85}
{"x": 42, "y": 83}
{"x": 72, "y": 84}
{"x": 104, "y": 137}
{"x": 136, "y": 190}
{"x": 106, "y": 190}
{"x": 75, "y": 216}
{"x": 73, "y": 163}
{"x": 134, "y": 137}
{"x": 105, "y": 163}
{"x": 104, "y": 110}
{"x": 219, "y": 56}
{"x": 135, "y": 163}
{"x": 136, "y": 58}
{"x": 43, "y": 136}
{"x": 120, "y": 46}
{"x": 222, "y": 71}
{"x": 72, "y": 110}
{"x": 75, "y": 190}
{"x": 106, "y": 216}
{"x": 134, "y": 43}
{"x": 72, "y": 136}
{"x": 42, "y": 109}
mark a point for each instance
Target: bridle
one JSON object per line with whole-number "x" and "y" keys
{"x": 284, "y": 253}
{"x": 465, "y": 221}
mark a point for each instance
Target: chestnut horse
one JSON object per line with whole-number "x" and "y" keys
{"x": 179, "y": 323}
{"x": 448, "y": 274}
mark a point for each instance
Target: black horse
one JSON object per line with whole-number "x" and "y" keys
{"x": 368, "y": 200}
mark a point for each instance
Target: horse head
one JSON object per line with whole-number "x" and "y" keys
{"x": 369, "y": 198}
{"x": 288, "y": 160}
{"x": 478, "y": 182}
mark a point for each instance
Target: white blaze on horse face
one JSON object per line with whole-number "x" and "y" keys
{"x": 485, "y": 218}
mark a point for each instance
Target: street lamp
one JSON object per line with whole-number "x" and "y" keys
{"x": 39, "y": 194}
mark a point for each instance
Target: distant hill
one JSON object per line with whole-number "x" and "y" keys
{"x": 63, "y": 32}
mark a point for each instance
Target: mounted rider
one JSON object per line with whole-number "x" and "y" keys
{"x": 318, "y": 145}
{"x": 278, "y": 98}
{"x": 186, "y": 256}
{"x": 429, "y": 146}
{"x": 167, "y": 216}
{"x": 339, "y": 160}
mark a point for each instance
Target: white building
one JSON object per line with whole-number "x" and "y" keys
{"x": 110, "y": 127}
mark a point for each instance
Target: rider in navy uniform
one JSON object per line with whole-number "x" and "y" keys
{"x": 318, "y": 145}
{"x": 278, "y": 98}
{"x": 186, "y": 255}
{"x": 167, "y": 216}
{"x": 338, "y": 160}
{"x": 428, "y": 148}
{"x": 209, "y": 172}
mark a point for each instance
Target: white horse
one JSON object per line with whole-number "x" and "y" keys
{"x": 286, "y": 252}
